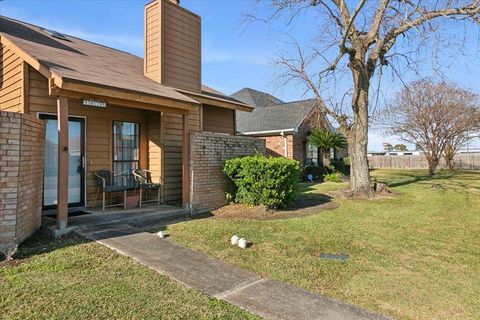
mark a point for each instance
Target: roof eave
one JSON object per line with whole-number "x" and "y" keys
{"x": 78, "y": 89}
{"x": 279, "y": 131}
{"x": 215, "y": 101}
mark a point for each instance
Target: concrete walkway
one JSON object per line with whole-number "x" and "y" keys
{"x": 265, "y": 297}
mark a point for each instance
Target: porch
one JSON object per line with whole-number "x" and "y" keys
{"x": 123, "y": 136}
{"x": 148, "y": 214}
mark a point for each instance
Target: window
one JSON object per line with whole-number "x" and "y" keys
{"x": 311, "y": 155}
{"x": 126, "y": 149}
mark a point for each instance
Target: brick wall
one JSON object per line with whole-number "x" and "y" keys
{"x": 276, "y": 145}
{"x": 21, "y": 175}
{"x": 207, "y": 154}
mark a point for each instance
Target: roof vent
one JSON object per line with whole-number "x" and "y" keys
{"x": 56, "y": 34}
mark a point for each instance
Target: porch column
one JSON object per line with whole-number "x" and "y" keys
{"x": 185, "y": 162}
{"x": 62, "y": 183}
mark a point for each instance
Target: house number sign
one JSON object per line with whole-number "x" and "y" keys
{"x": 94, "y": 103}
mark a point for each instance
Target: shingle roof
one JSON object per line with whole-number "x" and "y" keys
{"x": 256, "y": 98}
{"x": 85, "y": 61}
{"x": 275, "y": 117}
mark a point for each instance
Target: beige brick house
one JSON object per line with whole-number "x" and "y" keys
{"x": 105, "y": 109}
{"x": 284, "y": 125}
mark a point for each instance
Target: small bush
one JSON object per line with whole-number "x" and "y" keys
{"x": 342, "y": 165}
{"x": 332, "y": 177}
{"x": 263, "y": 180}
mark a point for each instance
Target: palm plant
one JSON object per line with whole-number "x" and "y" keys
{"x": 325, "y": 140}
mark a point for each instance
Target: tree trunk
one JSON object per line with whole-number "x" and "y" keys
{"x": 432, "y": 165}
{"x": 325, "y": 158}
{"x": 360, "y": 185}
{"x": 448, "y": 155}
{"x": 450, "y": 163}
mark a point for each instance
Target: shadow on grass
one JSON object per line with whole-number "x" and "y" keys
{"x": 307, "y": 186}
{"x": 458, "y": 180}
{"x": 307, "y": 200}
{"x": 40, "y": 243}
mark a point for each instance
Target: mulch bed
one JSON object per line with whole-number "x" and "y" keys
{"x": 304, "y": 205}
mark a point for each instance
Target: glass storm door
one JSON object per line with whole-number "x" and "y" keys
{"x": 75, "y": 162}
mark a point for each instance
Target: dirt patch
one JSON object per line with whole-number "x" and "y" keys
{"x": 346, "y": 194}
{"x": 11, "y": 263}
{"x": 304, "y": 205}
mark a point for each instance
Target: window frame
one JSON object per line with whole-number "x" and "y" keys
{"x": 129, "y": 178}
{"x": 309, "y": 161}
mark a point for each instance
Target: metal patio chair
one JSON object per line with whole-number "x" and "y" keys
{"x": 106, "y": 183}
{"x": 143, "y": 181}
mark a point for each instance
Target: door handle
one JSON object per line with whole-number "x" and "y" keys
{"x": 81, "y": 164}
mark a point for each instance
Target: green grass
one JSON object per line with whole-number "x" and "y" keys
{"x": 413, "y": 256}
{"x": 75, "y": 279}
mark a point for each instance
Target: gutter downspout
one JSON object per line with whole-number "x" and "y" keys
{"x": 285, "y": 143}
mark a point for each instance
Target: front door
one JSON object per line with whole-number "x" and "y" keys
{"x": 76, "y": 161}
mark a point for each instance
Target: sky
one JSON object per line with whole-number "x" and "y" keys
{"x": 235, "y": 54}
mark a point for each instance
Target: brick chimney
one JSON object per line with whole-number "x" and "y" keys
{"x": 172, "y": 45}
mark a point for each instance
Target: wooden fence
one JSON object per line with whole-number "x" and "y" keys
{"x": 462, "y": 161}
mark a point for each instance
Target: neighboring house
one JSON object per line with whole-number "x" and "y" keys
{"x": 256, "y": 98}
{"x": 284, "y": 125}
{"x": 122, "y": 112}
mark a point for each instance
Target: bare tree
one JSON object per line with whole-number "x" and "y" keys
{"x": 436, "y": 117}
{"x": 362, "y": 40}
{"x": 456, "y": 142}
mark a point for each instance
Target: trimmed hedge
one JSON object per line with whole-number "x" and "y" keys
{"x": 263, "y": 180}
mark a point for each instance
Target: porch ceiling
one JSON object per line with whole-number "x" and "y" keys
{"x": 120, "y": 97}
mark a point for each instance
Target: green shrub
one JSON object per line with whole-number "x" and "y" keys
{"x": 342, "y": 165}
{"x": 263, "y": 180}
{"x": 332, "y": 177}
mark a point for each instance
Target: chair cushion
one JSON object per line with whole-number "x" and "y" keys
{"x": 149, "y": 185}
{"x": 114, "y": 188}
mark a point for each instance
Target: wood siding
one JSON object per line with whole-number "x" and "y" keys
{"x": 218, "y": 120}
{"x": 155, "y": 145}
{"x": 172, "y": 45}
{"x": 11, "y": 81}
{"x": 98, "y": 127}
{"x": 160, "y": 135}
{"x": 152, "y": 41}
{"x": 172, "y": 142}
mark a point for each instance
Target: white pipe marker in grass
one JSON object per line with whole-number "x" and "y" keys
{"x": 161, "y": 234}
{"x": 234, "y": 239}
{"x": 242, "y": 243}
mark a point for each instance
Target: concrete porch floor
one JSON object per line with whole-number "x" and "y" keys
{"x": 115, "y": 215}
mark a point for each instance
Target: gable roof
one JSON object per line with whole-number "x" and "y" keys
{"x": 80, "y": 61}
{"x": 256, "y": 98}
{"x": 275, "y": 118}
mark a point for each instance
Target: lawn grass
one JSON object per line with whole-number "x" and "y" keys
{"x": 75, "y": 279}
{"x": 415, "y": 255}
